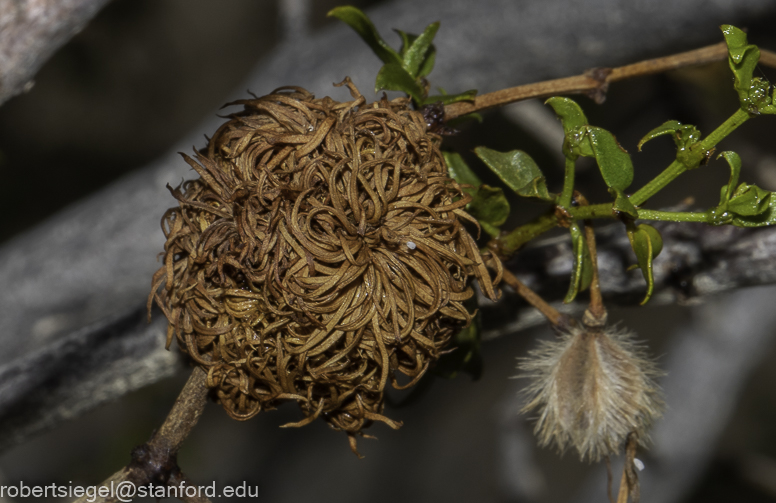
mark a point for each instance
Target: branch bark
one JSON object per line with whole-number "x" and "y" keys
{"x": 595, "y": 82}
{"x": 697, "y": 261}
{"x": 31, "y": 31}
{"x": 155, "y": 462}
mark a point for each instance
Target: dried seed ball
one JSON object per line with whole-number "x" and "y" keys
{"x": 320, "y": 254}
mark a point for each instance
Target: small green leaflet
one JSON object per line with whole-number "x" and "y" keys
{"x": 489, "y": 205}
{"x": 686, "y": 137}
{"x": 743, "y": 58}
{"x": 416, "y": 51}
{"x": 362, "y": 25}
{"x": 490, "y": 208}
{"x": 754, "y": 93}
{"x": 518, "y": 171}
{"x": 684, "y": 134}
{"x": 393, "y": 77}
{"x": 461, "y": 172}
{"x": 647, "y": 244}
{"x": 590, "y": 141}
{"x": 622, "y": 204}
{"x": 749, "y": 204}
{"x": 582, "y": 268}
{"x": 749, "y": 201}
{"x": 734, "y": 161}
{"x": 767, "y": 217}
{"x": 613, "y": 161}
{"x": 569, "y": 113}
{"x": 405, "y": 70}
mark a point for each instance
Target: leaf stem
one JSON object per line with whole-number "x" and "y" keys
{"x": 596, "y": 311}
{"x": 553, "y": 315}
{"x": 603, "y": 210}
{"x": 509, "y": 243}
{"x": 568, "y": 185}
{"x": 724, "y": 129}
{"x": 678, "y": 216}
{"x": 675, "y": 169}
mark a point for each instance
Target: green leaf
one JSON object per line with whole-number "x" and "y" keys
{"x": 647, "y": 244}
{"x": 743, "y": 57}
{"x": 669, "y": 127}
{"x": 394, "y": 77}
{"x": 490, "y": 230}
{"x": 735, "y": 39}
{"x": 518, "y": 171}
{"x": 428, "y": 63}
{"x": 622, "y": 204}
{"x": 582, "y": 268}
{"x": 461, "y": 172}
{"x": 590, "y": 141}
{"x": 753, "y": 92}
{"x": 490, "y": 207}
{"x": 569, "y": 113}
{"x": 446, "y": 99}
{"x": 406, "y": 41}
{"x": 362, "y": 25}
{"x": 749, "y": 201}
{"x": 613, "y": 161}
{"x": 684, "y": 135}
{"x": 767, "y": 217}
{"x": 419, "y": 50}
{"x": 734, "y": 161}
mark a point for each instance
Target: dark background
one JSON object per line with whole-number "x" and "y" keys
{"x": 144, "y": 74}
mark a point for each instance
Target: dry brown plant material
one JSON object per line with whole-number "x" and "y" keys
{"x": 592, "y": 388}
{"x": 320, "y": 255}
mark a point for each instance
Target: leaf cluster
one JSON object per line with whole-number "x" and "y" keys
{"x": 740, "y": 204}
{"x": 405, "y": 69}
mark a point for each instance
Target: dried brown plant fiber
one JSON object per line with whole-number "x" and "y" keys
{"x": 319, "y": 255}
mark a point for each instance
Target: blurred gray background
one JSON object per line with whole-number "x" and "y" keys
{"x": 146, "y": 78}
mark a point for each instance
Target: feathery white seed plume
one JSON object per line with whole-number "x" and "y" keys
{"x": 591, "y": 388}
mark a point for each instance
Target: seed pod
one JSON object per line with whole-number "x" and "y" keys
{"x": 591, "y": 387}
{"x": 320, "y": 253}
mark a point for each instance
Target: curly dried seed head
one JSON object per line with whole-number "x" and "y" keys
{"x": 320, "y": 253}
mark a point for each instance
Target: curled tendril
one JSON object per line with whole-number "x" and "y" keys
{"x": 320, "y": 255}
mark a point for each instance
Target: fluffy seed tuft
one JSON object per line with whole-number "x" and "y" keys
{"x": 591, "y": 387}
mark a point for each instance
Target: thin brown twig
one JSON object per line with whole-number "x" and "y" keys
{"x": 155, "y": 462}
{"x": 595, "y": 82}
{"x": 629, "y": 482}
{"x": 596, "y": 312}
{"x": 184, "y": 415}
{"x": 553, "y": 315}
{"x": 596, "y": 307}
{"x": 622, "y": 494}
